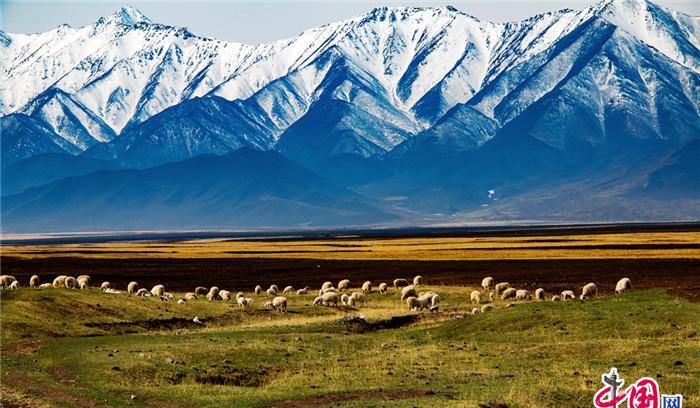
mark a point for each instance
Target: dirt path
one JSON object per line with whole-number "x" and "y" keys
{"x": 356, "y": 395}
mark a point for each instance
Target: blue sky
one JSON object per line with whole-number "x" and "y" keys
{"x": 255, "y": 22}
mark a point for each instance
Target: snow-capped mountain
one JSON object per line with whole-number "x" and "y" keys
{"x": 424, "y": 108}
{"x": 398, "y": 69}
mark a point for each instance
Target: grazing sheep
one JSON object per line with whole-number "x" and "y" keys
{"x": 60, "y": 281}
{"x": 14, "y": 285}
{"x": 487, "y": 282}
{"x": 34, "y": 281}
{"x": 359, "y": 298}
{"x": 556, "y": 298}
{"x": 351, "y": 301}
{"x": 104, "y": 286}
{"x": 279, "y": 303}
{"x": 83, "y": 281}
{"x": 327, "y": 290}
{"x": 408, "y": 291}
{"x": 327, "y": 299}
{"x": 434, "y": 301}
{"x": 158, "y": 290}
{"x": 240, "y": 295}
{"x": 258, "y": 290}
{"x": 539, "y": 294}
{"x": 225, "y": 295}
{"x": 86, "y": 278}
{"x": 383, "y": 288}
{"x": 288, "y": 290}
{"x": 271, "y": 292}
{"x": 6, "y": 281}
{"x": 344, "y": 284}
{"x": 303, "y": 291}
{"x": 181, "y": 302}
{"x": 508, "y": 293}
{"x": 70, "y": 283}
{"x": 344, "y": 298}
{"x": 274, "y": 287}
{"x": 623, "y": 284}
{"x": 476, "y": 310}
{"x": 242, "y": 302}
{"x": 200, "y": 291}
{"x": 491, "y": 296}
{"x": 501, "y": 287}
{"x": 326, "y": 285}
{"x": 588, "y": 291}
{"x": 487, "y": 308}
{"x": 190, "y": 296}
{"x": 475, "y": 296}
{"x": 400, "y": 283}
{"x": 522, "y": 294}
{"x": 568, "y": 294}
{"x": 415, "y": 304}
{"x": 143, "y": 292}
{"x": 45, "y": 286}
{"x": 132, "y": 287}
{"x": 367, "y": 287}
{"x": 417, "y": 280}
{"x": 213, "y": 294}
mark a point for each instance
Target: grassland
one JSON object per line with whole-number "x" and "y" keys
{"x": 66, "y": 348}
{"x": 87, "y": 348}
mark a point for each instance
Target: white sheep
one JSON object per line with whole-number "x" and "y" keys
{"x": 132, "y": 287}
{"x": 326, "y": 285}
{"x": 103, "y": 287}
{"x": 417, "y": 280}
{"x": 190, "y": 296}
{"x": 34, "y": 281}
{"x": 274, "y": 287}
{"x": 351, "y": 301}
{"x": 588, "y": 291}
{"x": 359, "y": 298}
{"x": 181, "y": 302}
{"x": 70, "y": 283}
{"x": 242, "y": 302}
{"x": 367, "y": 287}
{"x": 623, "y": 285}
{"x": 302, "y": 291}
{"x": 46, "y": 286}
{"x": 501, "y": 287}
{"x": 258, "y": 290}
{"x": 327, "y": 299}
{"x": 85, "y": 278}
{"x": 344, "y": 298}
{"x": 487, "y": 308}
{"x": 213, "y": 294}
{"x": 556, "y": 298}
{"x": 487, "y": 282}
{"x": 344, "y": 285}
{"x": 568, "y": 294}
{"x": 434, "y": 300}
{"x": 522, "y": 294}
{"x": 158, "y": 290}
{"x": 539, "y": 294}
{"x": 14, "y": 285}
{"x": 383, "y": 288}
{"x": 143, "y": 292}
{"x": 6, "y": 281}
{"x": 475, "y": 296}
{"x": 240, "y": 295}
{"x": 415, "y": 303}
{"x": 271, "y": 292}
{"x": 279, "y": 303}
{"x": 476, "y": 310}
{"x": 225, "y": 295}
{"x": 400, "y": 283}
{"x": 508, "y": 293}
{"x": 327, "y": 290}
{"x": 408, "y": 291}
{"x": 60, "y": 281}
{"x": 288, "y": 290}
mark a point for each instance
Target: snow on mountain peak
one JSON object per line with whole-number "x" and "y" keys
{"x": 129, "y": 15}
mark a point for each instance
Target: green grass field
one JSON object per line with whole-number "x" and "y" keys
{"x": 86, "y": 349}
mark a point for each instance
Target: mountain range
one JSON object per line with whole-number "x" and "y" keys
{"x": 400, "y": 115}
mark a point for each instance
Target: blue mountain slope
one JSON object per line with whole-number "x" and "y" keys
{"x": 22, "y": 136}
{"x": 246, "y": 188}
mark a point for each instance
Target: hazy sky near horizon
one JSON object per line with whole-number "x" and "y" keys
{"x": 256, "y": 22}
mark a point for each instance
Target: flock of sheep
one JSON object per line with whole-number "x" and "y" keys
{"x": 329, "y": 295}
